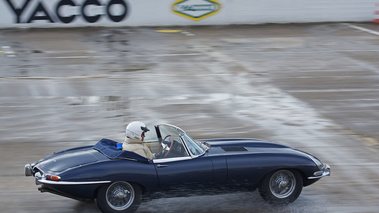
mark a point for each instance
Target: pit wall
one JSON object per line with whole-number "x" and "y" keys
{"x": 109, "y": 13}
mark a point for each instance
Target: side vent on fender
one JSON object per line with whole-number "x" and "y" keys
{"x": 234, "y": 149}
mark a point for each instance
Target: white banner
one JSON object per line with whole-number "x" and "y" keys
{"x": 77, "y": 13}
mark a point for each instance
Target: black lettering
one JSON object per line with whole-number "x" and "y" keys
{"x": 41, "y": 12}
{"x": 90, "y": 19}
{"x": 18, "y": 11}
{"x": 117, "y": 18}
{"x": 65, "y": 19}
{"x": 40, "y": 9}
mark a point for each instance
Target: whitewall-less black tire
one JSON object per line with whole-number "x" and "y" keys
{"x": 119, "y": 197}
{"x": 281, "y": 187}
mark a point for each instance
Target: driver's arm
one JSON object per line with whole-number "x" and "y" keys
{"x": 147, "y": 153}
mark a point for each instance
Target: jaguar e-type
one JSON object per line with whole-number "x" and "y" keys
{"x": 119, "y": 180}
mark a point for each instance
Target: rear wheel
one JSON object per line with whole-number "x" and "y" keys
{"x": 281, "y": 187}
{"x": 119, "y": 197}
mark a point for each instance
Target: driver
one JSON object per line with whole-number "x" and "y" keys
{"x": 135, "y": 134}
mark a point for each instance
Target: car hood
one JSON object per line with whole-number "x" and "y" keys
{"x": 61, "y": 161}
{"x": 243, "y": 142}
{"x": 240, "y": 146}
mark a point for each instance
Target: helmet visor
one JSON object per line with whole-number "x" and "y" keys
{"x": 144, "y": 129}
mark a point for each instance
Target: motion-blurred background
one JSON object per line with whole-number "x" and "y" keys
{"x": 73, "y": 72}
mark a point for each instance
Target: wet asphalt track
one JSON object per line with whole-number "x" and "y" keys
{"x": 314, "y": 87}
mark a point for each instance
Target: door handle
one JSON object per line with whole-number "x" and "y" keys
{"x": 161, "y": 166}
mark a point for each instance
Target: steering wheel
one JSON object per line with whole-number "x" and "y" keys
{"x": 165, "y": 148}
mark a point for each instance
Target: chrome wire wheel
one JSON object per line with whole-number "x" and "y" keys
{"x": 282, "y": 184}
{"x": 120, "y": 196}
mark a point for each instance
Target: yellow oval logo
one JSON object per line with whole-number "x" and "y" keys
{"x": 196, "y": 9}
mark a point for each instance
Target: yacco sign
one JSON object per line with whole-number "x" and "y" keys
{"x": 67, "y": 11}
{"x": 196, "y": 9}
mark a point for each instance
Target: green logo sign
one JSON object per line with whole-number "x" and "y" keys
{"x": 196, "y": 9}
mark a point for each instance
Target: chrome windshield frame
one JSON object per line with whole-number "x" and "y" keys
{"x": 187, "y": 148}
{"x": 181, "y": 133}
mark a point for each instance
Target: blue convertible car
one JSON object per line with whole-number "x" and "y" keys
{"x": 120, "y": 180}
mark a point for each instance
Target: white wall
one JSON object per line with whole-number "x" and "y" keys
{"x": 159, "y": 12}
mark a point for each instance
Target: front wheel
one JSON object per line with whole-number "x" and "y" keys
{"x": 281, "y": 187}
{"x": 119, "y": 197}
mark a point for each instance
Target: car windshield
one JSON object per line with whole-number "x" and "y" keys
{"x": 163, "y": 131}
{"x": 194, "y": 147}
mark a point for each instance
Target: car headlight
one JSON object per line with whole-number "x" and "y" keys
{"x": 319, "y": 164}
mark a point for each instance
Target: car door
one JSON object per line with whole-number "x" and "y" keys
{"x": 185, "y": 173}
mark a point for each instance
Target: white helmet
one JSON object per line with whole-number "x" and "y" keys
{"x": 135, "y": 130}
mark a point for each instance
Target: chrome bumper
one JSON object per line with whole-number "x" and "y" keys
{"x": 52, "y": 182}
{"x": 322, "y": 173}
{"x": 41, "y": 179}
{"x": 28, "y": 170}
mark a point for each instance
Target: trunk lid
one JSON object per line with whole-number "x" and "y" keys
{"x": 61, "y": 161}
